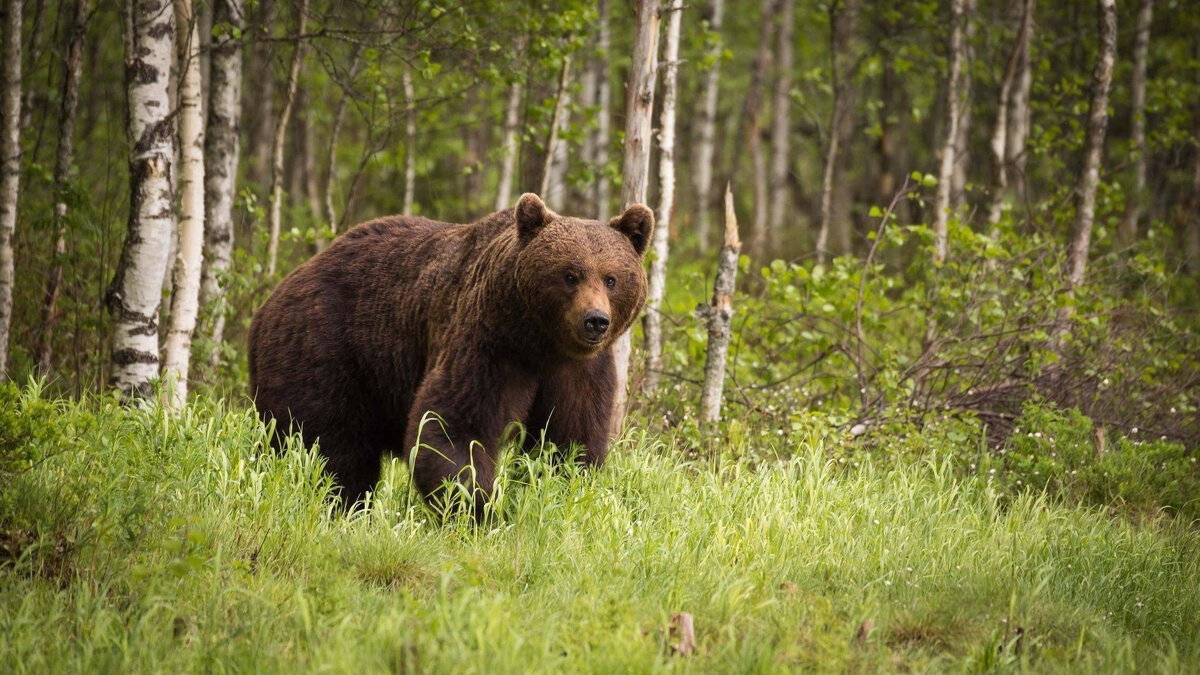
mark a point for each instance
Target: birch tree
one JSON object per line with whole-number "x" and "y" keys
{"x": 635, "y": 167}
{"x": 186, "y": 295}
{"x": 666, "y": 178}
{"x": 1097, "y": 127}
{"x": 719, "y": 316}
{"x": 842, "y": 27}
{"x": 10, "y": 167}
{"x": 942, "y": 204}
{"x": 553, "y": 185}
{"x": 339, "y": 121}
{"x": 135, "y": 296}
{"x": 1000, "y": 134}
{"x": 280, "y": 136}
{"x": 72, "y": 69}
{"x": 410, "y": 140}
{"x": 604, "y": 106}
{"x": 1127, "y": 231}
{"x": 962, "y": 136}
{"x": 706, "y": 143}
{"x": 221, "y": 146}
{"x": 508, "y": 157}
{"x": 781, "y": 127}
{"x": 1019, "y": 112}
{"x": 749, "y": 128}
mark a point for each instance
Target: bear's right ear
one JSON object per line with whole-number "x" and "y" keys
{"x": 532, "y": 215}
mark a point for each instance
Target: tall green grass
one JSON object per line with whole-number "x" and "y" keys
{"x": 131, "y": 541}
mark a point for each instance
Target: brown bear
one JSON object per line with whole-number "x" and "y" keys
{"x": 510, "y": 318}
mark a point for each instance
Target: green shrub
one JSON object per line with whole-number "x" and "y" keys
{"x": 1062, "y": 453}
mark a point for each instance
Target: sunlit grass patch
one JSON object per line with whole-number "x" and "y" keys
{"x": 136, "y": 541}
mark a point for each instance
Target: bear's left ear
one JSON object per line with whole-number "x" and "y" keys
{"x": 636, "y": 223}
{"x": 531, "y": 215}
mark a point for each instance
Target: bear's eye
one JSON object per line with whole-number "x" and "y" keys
{"x": 610, "y": 281}
{"x": 571, "y": 278}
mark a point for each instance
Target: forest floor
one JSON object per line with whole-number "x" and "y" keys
{"x": 131, "y": 541}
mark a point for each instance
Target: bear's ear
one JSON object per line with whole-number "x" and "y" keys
{"x": 636, "y": 223}
{"x": 532, "y": 215}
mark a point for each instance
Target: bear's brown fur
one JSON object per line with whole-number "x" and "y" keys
{"x": 484, "y": 324}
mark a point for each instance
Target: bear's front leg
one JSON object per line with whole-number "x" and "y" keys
{"x": 457, "y": 418}
{"x": 574, "y": 406}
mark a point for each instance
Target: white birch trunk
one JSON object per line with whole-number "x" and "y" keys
{"x": 135, "y": 296}
{"x": 10, "y": 168}
{"x": 1019, "y": 112}
{"x": 945, "y": 186}
{"x": 72, "y": 69}
{"x": 508, "y": 160}
{"x": 185, "y": 300}
{"x": 781, "y": 127}
{"x": 555, "y": 165}
{"x": 962, "y": 138}
{"x": 1191, "y": 235}
{"x": 339, "y": 120}
{"x": 706, "y": 145}
{"x": 652, "y": 323}
{"x": 410, "y": 139}
{"x": 1097, "y": 127}
{"x": 635, "y": 168}
{"x": 842, "y": 27}
{"x": 1127, "y": 231}
{"x": 221, "y": 145}
{"x": 604, "y": 103}
{"x": 719, "y": 316}
{"x": 277, "y": 144}
{"x": 1000, "y": 134}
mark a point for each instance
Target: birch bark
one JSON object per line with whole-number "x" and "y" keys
{"x": 135, "y": 296}
{"x": 185, "y": 299}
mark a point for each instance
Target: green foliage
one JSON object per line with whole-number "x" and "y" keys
{"x": 1060, "y": 452}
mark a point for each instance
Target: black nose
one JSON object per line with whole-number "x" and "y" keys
{"x": 595, "y": 325}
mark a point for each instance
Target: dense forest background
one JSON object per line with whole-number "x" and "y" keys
{"x": 1041, "y": 163}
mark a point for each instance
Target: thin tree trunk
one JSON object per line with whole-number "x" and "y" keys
{"x": 749, "y": 134}
{"x": 1097, "y": 126}
{"x": 1127, "y": 231}
{"x": 705, "y": 158}
{"x": 508, "y": 161}
{"x": 720, "y": 318}
{"x": 410, "y": 139}
{"x": 841, "y": 29}
{"x": 262, "y": 95}
{"x": 33, "y": 56}
{"x": 221, "y": 145}
{"x": 1191, "y": 235}
{"x": 781, "y": 128}
{"x": 10, "y": 168}
{"x": 587, "y": 144}
{"x": 1019, "y": 112}
{"x": 962, "y": 137}
{"x": 553, "y": 182}
{"x": 635, "y": 169}
{"x": 666, "y": 176}
{"x": 186, "y": 296}
{"x": 135, "y": 296}
{"x": 339, "y": 120}
{"x": 1000, "y": 135}
{"x": 945, "y": 186}
{"x": 277, "y": 144}
{"x": 604, "y": 103}
{"x": 72, "y": 69}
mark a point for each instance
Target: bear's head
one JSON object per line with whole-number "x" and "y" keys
{"x": 582, "y": 280}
